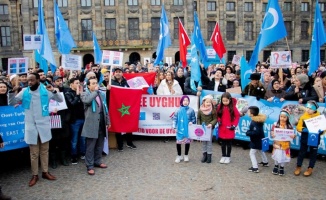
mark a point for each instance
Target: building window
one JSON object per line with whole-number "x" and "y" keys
{"x": 176, "y": 27}
{"x": 35, "y": 26}
{"x": 4, "y": 9}
{"x": 230, "y": 6}
{"x": 211, "y": 5}
{"x": 230, "y": 30}
{"x": 132, "y": 2}
{"x": 87, "y": 29}
{"x": 266, "y": 55}
{"x": 67, "y": 22}
{"x": 5, "y": 36}
{"x": 248, "y": 30}
{"x": 110, "y": 29}
{"x": 230, "y": 55}
{"x": 248, "y": 55}
{"x": 264, "y": 7}
{"x": 133, "y": 27}
{"x": 178, "y": 2}
{"x": 86, "y": 3}
{"x": 62, "y": 3}
{"x": 304, "y": 55}
{"x": 248, "y": 7}
{"x": 304, "y": 30}
{"x": 155, "y": 2}
{"x": 35, "y": 3}
{"x": 288, "y": 27}
{"x": 155, "y": 21}
{"x": 322, "y": 7}
{"x": 194, "y": 5}
{"x": 305, "y": 7}
{"x": 109, "y": 2}
{"x": 322, "y": 55}
{"x": 287, "y": 6}
{"x": 210, "y": 29}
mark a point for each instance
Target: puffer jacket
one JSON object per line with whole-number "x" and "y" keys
{"x": 256, "y": 131}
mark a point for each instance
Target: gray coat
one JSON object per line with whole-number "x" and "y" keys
{"x": 92, "y": 119}
{"x": 36, "y": 124}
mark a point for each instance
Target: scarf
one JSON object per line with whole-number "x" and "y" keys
{"x": 102, "y": 97}
{"x": 27, "y": 97}
{"x": 206, "y": 110}
{"x": 182, "y": 120}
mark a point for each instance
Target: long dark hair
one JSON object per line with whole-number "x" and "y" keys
{"x": 288, "y": 124}
{"x": 230, "y": 106}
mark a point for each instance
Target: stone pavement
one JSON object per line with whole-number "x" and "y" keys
{"x": 151, "y": 173}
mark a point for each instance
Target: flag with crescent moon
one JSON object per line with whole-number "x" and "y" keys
{"x": 217, "y": 40}
{"x": 272, "y": 29}
{"x": 245, "y": 72}
{"x": 317, "y": 40}
{"x": 184, "y": 41}
{"x": 199, "y": 41}
{"x": 97, "y": 50}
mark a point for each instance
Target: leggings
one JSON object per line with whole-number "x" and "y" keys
{"x": 187, "y": 146}
{"x": 226, "y": 147}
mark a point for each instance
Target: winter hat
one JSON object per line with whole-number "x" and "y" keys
{"x": 12, "y": 77}
{"x": 182, "y": 98}
{"x": 207, "y": 97}
{"x": 303, "y": 78}
{"x": 273, "y": 81}
{"x": 312, "y": 105}
{"x": 255, "y": 76}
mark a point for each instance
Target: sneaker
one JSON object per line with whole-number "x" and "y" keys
{"x": 227, "y": 160}
{"x": 275, "y": 170}
{"x": 186, "y": 158}
{"x": 178, "y": 159}
{"x": 222, "y": 160}
{"x": 120, "y": 149}
{"x": 281, "y": 172}
{"x": 82, "y": 157}
{"x": 251, "y": 169}
{"x": 264, "y": 164}
{"x": 131, "y": 146}
{"x": 74, "y": 161}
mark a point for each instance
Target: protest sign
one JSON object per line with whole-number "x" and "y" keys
{"x": 281, "y": 58}
{"x": 236, "y": 60}
{"x": 32, "y": 42}
{"x": 235, "y": 90}
{"x": 54, "y": 105}
{"x": 316, "y": 123}
{"x": 283, "y": 134}
{"x": 137, "y": 82}
{"x": 17, "y": 65}
{"x": 71, "y": 62}
{"x": 199, "y": 132}
{"x": 113, "y": 58}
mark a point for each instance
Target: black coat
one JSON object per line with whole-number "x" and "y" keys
{"x": 256, "y": 131}
{"x": 307, "y": 93}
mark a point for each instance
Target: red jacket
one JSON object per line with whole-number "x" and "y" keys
{"x": 225, "y": 121}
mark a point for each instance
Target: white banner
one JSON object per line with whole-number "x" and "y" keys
{"x": 316, "y": 123}
{"x": 71, "y": 62}
{"x": 156, "y": 112}
{"x": 17, "y": 65}
{"x": 54, "y": 105}
{"x": 32, "y": 42}
{"x": 281, "y": 59}
{"x": 113, "y": 58}
{"x": 283, "y": 134}
{"x": 198, "y": 132}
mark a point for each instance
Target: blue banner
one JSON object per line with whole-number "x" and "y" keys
{"x": 12, "y": 127}
{"x": 272, "y": 111}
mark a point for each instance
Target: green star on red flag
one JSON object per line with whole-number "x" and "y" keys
{"x": 124, "y": 110}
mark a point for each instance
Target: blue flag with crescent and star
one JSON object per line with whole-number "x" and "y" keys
{"x": 272, "y": 29}
{"x": 97, "y": 50}
{"x": 317, "y": 40}
{"x": 165, "y": 39}
{"x": 313, "y": 139}
{"x": 265, "y": 144}
{"x": 245, "y": 72}
{"x": 199, "y": 41}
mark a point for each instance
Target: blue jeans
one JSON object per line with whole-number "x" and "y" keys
{"x": 76, "y": 129}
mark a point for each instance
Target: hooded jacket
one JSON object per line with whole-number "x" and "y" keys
{"x": 256, "y": 131}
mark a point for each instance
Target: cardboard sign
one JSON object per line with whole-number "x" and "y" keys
{"x": 235, "y": 90}
{"x": 32, "y": 42}
{"x": 316, "y": 123}
{"x": 283, "y": 134}
{"x": 199, "y": 132}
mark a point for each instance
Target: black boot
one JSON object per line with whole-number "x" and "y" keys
{"x": 53, "y": 161}
{"x": 275, "y": 170}
{"x": 204, "y": 159}
{"x": 209, "y": 158}
{"x": 63, "y": 158}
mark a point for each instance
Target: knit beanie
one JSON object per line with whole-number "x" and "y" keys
{"x": 303, "y": 78}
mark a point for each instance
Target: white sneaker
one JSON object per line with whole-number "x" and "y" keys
{"x": 227, "y": 160}
{"x": 186, "y": 158}
{"x": 222, "y": 160}
{"x": 178, "y": 159}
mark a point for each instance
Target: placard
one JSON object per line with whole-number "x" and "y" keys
{"x": 71, "y": 62}
{"x": 17, "y": 65}
{"x": 236, "y": 60}
{"x": 54, "y": 105}
{"x": 281, "y": 58}
{"x": 32, "y": 42}
{"x": 316, "y": 123}
{"x": 283, "y": 134}
{"x": 168, "y": 60}
{"x": 137, "y": 82}
{"x": 113, "y": 58}
{"x": 199, "y": 132}
{"x": 235, "y": 90}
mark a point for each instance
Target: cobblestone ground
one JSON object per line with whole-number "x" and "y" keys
{"x": 151, "y": 173}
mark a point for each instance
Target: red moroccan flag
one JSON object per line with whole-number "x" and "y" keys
{"x": 217, "y": 40}
{"x": 124, "y": 109}
{"x": 184, "y": 41}
{"x": 149, "y": 78}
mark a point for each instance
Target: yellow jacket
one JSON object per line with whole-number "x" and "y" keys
{"x": 305, "y": 116}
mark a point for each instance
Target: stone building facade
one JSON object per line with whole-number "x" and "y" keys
{"x": 132, "y": 26}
